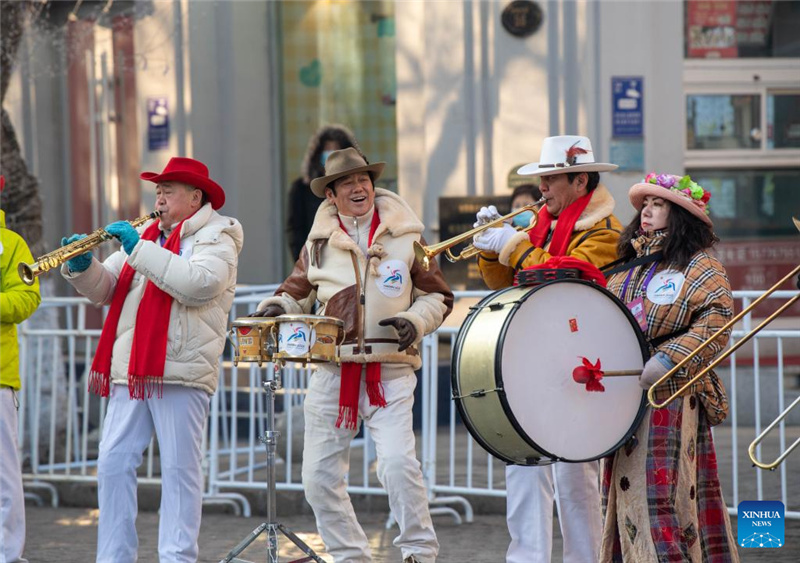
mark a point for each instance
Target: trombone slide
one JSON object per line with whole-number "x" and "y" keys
{"x": 751, "y": 451}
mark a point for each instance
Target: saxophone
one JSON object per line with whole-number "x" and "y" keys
{"x": 29, "y": 272}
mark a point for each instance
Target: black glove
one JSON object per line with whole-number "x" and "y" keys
{"x": 269, "y": 311}
{"x": 406, "y": 332}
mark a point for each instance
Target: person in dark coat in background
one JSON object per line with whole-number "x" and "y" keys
{"x": 303, "y": 203}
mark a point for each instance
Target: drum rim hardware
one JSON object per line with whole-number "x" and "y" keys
{"x": 479, "y": 393}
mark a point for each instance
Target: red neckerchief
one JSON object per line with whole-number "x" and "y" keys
{"x": 351, "y": 371}
{"x": 149, "y": 349}
{"x": 563, "y": 232}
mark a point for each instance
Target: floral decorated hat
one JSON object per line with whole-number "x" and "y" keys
{"x": 680, "y": 190}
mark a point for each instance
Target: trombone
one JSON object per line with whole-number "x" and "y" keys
{"x": 751, "y": 451}
{"x": 424, "y": 254}
{"x": 729, "y": 351}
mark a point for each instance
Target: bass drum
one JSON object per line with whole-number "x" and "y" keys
{"x": 512, "y": 373}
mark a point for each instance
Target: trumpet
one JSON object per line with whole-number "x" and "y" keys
{"x": 424, "y": 254}
{"x": 29, "y": 272}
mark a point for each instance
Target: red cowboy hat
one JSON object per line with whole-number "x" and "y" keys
{"x": 192, "y": 172}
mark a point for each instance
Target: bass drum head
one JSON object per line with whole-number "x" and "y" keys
{"x": 555, "y": 326}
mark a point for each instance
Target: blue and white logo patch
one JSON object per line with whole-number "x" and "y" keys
{"x": 760, "y": 523}
{"x": 392, "y": 278}
{"x": 665, "y": 287}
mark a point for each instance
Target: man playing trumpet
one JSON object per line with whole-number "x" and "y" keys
{"x": 576, "y": 221}
{"x": 169, "y": 288}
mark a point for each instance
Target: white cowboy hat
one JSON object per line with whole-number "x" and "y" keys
{"x": 565, "y": 154}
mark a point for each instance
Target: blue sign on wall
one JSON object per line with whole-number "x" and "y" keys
{"x": 627, "y": 98}
{"x": 157, "y": 124}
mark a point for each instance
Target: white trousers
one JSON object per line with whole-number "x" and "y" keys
{"x": 178, "y": 419}
{"x": 326, "y": 461}
{"x": 12, "y": 499}
{"x": 529, "y": 511}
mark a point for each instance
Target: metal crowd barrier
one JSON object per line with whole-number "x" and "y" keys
{"x": 454, "y": 467}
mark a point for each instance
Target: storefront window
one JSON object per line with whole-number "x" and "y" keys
{"x": 742, "y": 28}
{"x": 752, "y": 203}
{"x": 783, "y": 121}
{"x": 338, "y": 60}
{"x": 723, "y": 122}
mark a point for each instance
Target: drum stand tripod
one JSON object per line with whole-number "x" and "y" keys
{"x": 271, "y": 382}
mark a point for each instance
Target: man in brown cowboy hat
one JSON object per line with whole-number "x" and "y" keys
{"x": 359, "y": 263}
{"x": 169, "y": 288}
{"x": 576, "y": 221}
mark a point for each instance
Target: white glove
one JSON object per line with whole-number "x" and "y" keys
{"x": 486, "y": 215}
{"x": 655, "y": 368}
{"x": 495, "y": 238}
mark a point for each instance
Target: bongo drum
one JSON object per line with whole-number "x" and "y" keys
{"x": 512, "y": 373}
{"x": 308, "y": 339}
{"x": 252, "y": 339}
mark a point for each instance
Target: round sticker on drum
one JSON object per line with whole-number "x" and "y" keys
{"x": 295, "y": 338}
{"x": 392, "y": 277}
{"x": 665, "y": 287}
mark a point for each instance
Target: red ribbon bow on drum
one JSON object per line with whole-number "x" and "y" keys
{"x": 590, "y": 374}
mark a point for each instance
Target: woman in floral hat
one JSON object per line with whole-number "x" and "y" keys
{"x": 661, "y": 493}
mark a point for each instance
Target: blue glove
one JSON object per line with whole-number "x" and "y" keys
{"x": 125, "y": 233}
{"x": 81, "y": 262}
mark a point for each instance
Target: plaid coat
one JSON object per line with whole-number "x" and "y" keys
{"x": 703, "y": 304}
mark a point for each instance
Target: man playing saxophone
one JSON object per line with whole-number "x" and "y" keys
{"x": 170, "y": 288}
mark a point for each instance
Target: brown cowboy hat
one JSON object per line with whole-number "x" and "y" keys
{"x": 343, "y": 163}
{"x": 192, "y": 172}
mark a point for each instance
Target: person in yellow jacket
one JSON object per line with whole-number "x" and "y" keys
{"x": 576, "y": 221}
{"x": 17, "y": 302}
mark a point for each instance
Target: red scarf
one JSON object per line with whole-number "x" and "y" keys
{"x": 563, "y": 232}
{"x": 149, "y": 349}
{"x": 350, "y": 386}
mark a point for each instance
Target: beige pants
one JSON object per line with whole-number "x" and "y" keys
{"x": 326, "y": 461}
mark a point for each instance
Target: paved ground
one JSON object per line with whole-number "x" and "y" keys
{"x": 67, "y": 535}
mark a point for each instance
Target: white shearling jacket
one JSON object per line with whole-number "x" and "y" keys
{"x": 202, "y": 286}
{"x": 362, "y": 290}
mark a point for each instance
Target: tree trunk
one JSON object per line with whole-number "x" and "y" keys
{"x": 20, "y": 198}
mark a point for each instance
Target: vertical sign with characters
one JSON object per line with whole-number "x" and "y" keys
{"x": 627, "y": 93}
{"x": 157, "y": 124}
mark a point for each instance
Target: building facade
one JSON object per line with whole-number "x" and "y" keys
{"x": 450, "y": 93}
